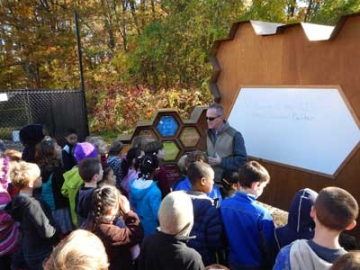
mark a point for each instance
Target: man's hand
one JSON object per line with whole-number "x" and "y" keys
{"x": 215, "y": 161}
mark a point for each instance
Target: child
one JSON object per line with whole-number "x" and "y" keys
{"x": 207, "y": 225}
{"x": 335, "y": 210}
{"x": 107, "y": 205}
{"x": 249, "y": 226}
{"x": 91, "y": 172}
{"x": 166, "y": 249}
{"x": 229, "y": 181}
{"x": 48, "y": 158}
{"x": 39, "y": 232}
{"x": 185, "y": 184}
{"x": 100, "y": 146}
{"x": 72, "y": 178}
{"x": 114, "y": 160}
{"x": 9, "y": 232}
{"x": 145, "y": 196}
{"x": 68, "y": 150}
{"x": 108, "y": 179}
{"x": 157, "y": 148}
{"x": 300, "y": 224}
{"x": 129, "y": 167}
{"x": 78, "y": 251}
{"x": 30, "y": 135}
{"x": 348, "y": 261}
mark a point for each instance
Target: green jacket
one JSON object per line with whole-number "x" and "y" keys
{"x": 69, "y": 189}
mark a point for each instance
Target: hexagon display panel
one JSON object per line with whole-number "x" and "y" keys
{"x": 171, "y": 150}
{"x": 148, "y": 133}
{"x": 189, "y": 136}
{"x": 167, "y": 126}
{"x": 309, "y": 128}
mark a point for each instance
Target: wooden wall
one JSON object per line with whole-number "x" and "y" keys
{"x": 288, "y": 58}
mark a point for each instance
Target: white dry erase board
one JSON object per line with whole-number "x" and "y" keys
{"x": 308, "y": 128}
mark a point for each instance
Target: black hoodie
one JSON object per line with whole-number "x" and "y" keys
{"x": 36, "y": 223}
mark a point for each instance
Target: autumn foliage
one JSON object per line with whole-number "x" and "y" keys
{"x": 120, "y": 107}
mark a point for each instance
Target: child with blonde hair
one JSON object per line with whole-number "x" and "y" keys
{"x": 78, "y": 251}
{"x": 34, "y": 216}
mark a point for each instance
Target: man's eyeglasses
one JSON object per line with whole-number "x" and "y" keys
{"x": 212, "y": 118}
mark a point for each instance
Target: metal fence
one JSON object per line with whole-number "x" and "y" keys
{"x": 57, "y": 110}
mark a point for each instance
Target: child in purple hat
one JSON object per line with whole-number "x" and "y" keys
{"x": 73, "y": 179}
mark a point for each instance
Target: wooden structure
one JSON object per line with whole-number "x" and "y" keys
{"x": 179, "y": 136}
{"x": 282, "y": 55}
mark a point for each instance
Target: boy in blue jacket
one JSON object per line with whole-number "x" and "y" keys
{"x": 207, "y": 221}
{"x": 249, "y": 226}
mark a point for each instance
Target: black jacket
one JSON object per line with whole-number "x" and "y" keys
{"x": 163, "y": 251}
{"x": 36, "y": 223}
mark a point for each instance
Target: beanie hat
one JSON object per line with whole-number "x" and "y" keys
{"x": 84, "y": 150}
{"x": 176, "y": 215}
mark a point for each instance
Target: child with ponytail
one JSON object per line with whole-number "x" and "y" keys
{"x": 107, "y": 205}
{"x": 145, "y": 196}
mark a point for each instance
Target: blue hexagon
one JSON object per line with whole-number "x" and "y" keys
{"x": 167, "y": 126}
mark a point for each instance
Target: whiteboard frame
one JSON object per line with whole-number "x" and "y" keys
{"x": 297, "y": 86}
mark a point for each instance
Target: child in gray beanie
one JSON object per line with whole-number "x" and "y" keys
{"x": 167, "y": 249}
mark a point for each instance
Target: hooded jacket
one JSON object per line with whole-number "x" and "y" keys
{"x": 70, "y": 188}
{"x": 300, "y": 224}
{"x": 207, "y": 229}
{"x": 145, "y": 198}
{"x": 36, "y": 222}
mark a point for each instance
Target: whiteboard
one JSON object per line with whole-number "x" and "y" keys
{"x": 309, "y": 128}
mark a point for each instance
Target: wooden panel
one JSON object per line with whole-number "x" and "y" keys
{"x": 289, "y": 58}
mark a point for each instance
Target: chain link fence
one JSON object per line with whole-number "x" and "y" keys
{"x": 57, "y": 110}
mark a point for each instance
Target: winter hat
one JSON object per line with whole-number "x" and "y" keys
{"x": 176, "y": 215}
{"x": 32, "y": 134}
{"x": 85, "y": 150}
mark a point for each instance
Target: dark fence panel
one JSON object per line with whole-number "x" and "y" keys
{"x": 56, "y": 109}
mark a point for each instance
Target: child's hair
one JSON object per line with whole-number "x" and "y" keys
{"x": 133, "y": 153}
{"x": 45, "y": 154}
{"x": 103, "y": 199}
{"x": 139, "y": 142}
{"x": 70, "y": 131}
{"x": 198, "y": 170}
{"x": 88, "y": 167}
{"x": 105, "y": 180}
{"x": 336, "y": 208}
{"x": 22, "y": 173}
{"x": 229, "y": 178}
{"x": 115, "y": 148}
{"x": 196, "y": 155}
{"x": 152, "y": 148}
{"x": 216, "y": 267}
{"x": 182, "y": 164}
{"x": 348, "y": 261}
{"x": 98, "y": 142}
{"x": 13, "y": 155}
{"x": 251, "y": 172}
{"x": 148, "y": 165}
{"x": 81, "y": 250}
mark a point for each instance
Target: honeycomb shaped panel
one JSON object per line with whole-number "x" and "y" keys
{"x": 171, "y": 150}
{"x": 189, "y": 137}
{"x": 167, "y": 126}
{"x": 148, "y": 133}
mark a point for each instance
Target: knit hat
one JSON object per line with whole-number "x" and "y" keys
{"x": 176, "y": 215}
{"x": 85, "y": 150}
